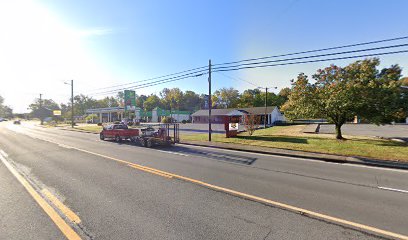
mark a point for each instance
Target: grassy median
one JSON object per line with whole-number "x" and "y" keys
{"x": 291, "y": 137}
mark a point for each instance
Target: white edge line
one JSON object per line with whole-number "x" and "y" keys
{"x": 4, "y": 154}
{"x": 393, "y": 189}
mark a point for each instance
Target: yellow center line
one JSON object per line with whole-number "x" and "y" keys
{"x": 64, "y": 209}
{"x": 69, "y": 233}
{"x": 256, "y": 198}
{"x": 150, "y": 171}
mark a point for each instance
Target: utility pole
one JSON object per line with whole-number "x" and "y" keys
{"x": 40, "y": 110}
{"x": 266, "y": 104}
{"x": 209, "y": 101}
{"x": 72, "y": 103}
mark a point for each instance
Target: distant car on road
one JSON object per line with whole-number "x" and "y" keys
{"x": 18, "y": 122}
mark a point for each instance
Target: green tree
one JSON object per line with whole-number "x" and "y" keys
{"x": 120, "y": 97}
{"x": 191, "y": 101}
{"x": 404, "y": 81}
{"x": 5, "y": 111}
{"x": 151, "y": 102}
{"x": 339, "y": 94}
{"x": 251, "y": 98}
{"x": 140, "y": 100}
{"x": 171, "y": 98}
{"x": 284, "y": 93}
{"x": 225, "y": 98}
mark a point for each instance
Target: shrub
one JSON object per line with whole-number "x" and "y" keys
{"x": 184, "y": 122}
{"x": 167, "y": 120}
{"x": 99, "y": 124}
{"x": 130, "y": 123}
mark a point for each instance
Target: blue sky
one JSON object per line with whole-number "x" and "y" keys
{"x": 104, "y": 43}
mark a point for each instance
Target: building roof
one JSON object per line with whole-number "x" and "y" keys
{"x": 257, "y": 110}
{"x": 110, "y": 109}
{"x": 233, "y": 111}
{"x": 218, "y": 112}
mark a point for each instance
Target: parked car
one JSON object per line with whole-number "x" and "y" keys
{"x": 17, "y": 122}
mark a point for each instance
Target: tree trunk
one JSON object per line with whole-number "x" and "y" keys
{"x": 338, "y": 131}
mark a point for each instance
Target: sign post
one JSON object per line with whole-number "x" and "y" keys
{"x": 130, "y": 100}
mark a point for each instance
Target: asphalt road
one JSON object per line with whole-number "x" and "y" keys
{"x": 113, "y": 200}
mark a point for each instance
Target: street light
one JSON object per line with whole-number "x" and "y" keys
{"x": 266, "y": 102}
{"x": 72, "y": 102}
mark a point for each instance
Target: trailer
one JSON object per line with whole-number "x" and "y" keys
{"x": 164, "y": 134}
{"x": 147, "y": 136}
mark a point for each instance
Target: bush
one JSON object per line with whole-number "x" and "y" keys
{"x": 99, "y": 124}
{"x": 184, "y": 122}
{"x": 130, "y": 123}
{"x": 167, "y": 120}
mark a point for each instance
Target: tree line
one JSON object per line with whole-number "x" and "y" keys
{"x": 170, "y": 98}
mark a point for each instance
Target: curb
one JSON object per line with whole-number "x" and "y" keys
{"x": 316, "y": 156}
{"x": 78, "y": 130}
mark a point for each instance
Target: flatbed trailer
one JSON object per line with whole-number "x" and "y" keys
{"x": 159, "y": 134}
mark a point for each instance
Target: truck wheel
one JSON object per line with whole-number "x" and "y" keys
{"x": 149, "y": 143}
{"x": 101, "y": 136}
{"x": 117, "y": 138}
{"x": 142, "y": 142}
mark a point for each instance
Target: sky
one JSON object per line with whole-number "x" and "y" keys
{"x": 101, "y": 43}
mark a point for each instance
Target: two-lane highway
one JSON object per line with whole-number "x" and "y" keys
{"x": 121, "y": 191}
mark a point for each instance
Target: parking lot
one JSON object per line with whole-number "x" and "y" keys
{"x": 399, "y": 131}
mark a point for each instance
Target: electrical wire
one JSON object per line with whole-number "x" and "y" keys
{"x": 237, "y": 78}
{"x": 314, "y": 56}
{"x": 316, "y": 50}
{"x": 154, "y": 78}
{"x": 149, "y": 84}
{"x": 193, "y": 74}
{"x": 311, "y": 61}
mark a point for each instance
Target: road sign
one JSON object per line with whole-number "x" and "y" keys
{"x": 56, "y": 112}
{"x": 233, "y": 126}
{"x": 130, "y": 100}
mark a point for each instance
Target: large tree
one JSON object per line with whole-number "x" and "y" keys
{"x": 151, "y": 102}
{"x": 404, "y": 81}
{"x": 5, "y": 111}
{"x": 191, "y": 101}
{"x": 225, "y": 98}
{"x": 340, "y": 94}
{"x": 171, "y": 98}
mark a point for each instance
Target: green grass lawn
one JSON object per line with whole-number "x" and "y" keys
{"x": 289, "y": 137}
{"x": 91, "y": 128}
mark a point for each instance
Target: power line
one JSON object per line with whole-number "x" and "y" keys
{"x": 237, "y": 78}
{"x": 316, "y": 50}
{"x": 163, "y": 81}
{"x": 314, "y": 56}
{"x": 311, "y": 61}
{"x": 193, "y": 74}
{"x": 154, "y": 78}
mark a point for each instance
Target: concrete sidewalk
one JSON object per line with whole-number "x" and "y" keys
{"x": 301, "y": 154}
